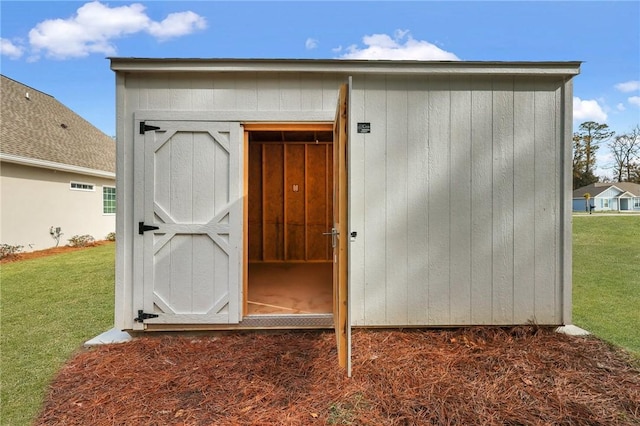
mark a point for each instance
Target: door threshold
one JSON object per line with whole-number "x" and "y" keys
{"x": 285, "y": 321}
{"x": 256, "y": 322}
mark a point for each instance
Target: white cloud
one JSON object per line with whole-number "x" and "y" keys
{"x": 634, "y": 100}
{"x": 620, "y": 107}
{"x": 176, "y": 25}
{"x": 7, "y": 48}
{"x": 400, "y": 46}
{"x": 628, "y": 86}
{"x": 311, "y": 43}
{"x": 95, "y": 25}
{"x": 588, "y": 110}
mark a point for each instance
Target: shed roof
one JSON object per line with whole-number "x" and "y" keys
{"x": 37, "y": 129}
{"x": 598, "y": 188}
{"x": 566, "y": 68}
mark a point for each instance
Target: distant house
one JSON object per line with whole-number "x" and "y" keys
{"x": 56, "y": 171}
{"x": 616, "y": 196}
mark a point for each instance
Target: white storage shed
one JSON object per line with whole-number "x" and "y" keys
{"x": 312, "y": 193}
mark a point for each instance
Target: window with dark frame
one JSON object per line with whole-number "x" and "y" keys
{"x": 79, "y": 186}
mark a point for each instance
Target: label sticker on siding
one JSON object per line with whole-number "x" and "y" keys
{"x": 364, "y": 127}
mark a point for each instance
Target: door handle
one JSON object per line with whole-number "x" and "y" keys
{"x": 334, "y": 235}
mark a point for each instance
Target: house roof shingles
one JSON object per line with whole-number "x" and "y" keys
{"x": 40, "y": 127}
{"x": 598, "y": 188}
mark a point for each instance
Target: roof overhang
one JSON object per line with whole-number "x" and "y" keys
{"x": 34, "y": 162}
{"x": 626, "y": 194}
{"x": 568, "y": 68}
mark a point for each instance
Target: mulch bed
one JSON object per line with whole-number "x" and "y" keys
{"x": 487, "y": 375}
{"x": 16, "y": 257}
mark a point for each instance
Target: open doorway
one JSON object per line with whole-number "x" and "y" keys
{"x": 289, "y": 214}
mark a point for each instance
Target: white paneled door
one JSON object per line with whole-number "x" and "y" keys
{"x": 188, "y": 204}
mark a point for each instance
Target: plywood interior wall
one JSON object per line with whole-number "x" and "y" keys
{"x": 290, "y": 199}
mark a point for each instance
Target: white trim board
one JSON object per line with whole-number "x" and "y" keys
{"x": 34, "y": 162}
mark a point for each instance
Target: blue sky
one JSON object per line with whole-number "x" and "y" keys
{"x": 61, "y": 47}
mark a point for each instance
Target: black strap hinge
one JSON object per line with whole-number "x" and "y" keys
{"x": 143, "y": 316}
{"x": 147, "y": 128}
{"x": 142, "y": 228}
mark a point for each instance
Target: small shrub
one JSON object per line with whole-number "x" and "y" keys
{"x": 7, "y": 250}
{"x": 111, "y": 236}
{"x": 81, "y": 241}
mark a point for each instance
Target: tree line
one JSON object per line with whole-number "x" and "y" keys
{"x": 625, "y": 149}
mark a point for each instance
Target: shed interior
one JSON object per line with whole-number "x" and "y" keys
{"x": 290, "y": 190}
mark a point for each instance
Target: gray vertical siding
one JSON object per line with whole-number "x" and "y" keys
{"x": 418, "y": 205}
{"x": 438, "y": 187}
{"x": 456, "y": 195}
{"x": 375, "y": 210}
{"x": 232, "y": 92}
{"x": 481, "y": 205}
{"x": 523, "y": 206}
{"x": 205, "y": 97}
{"x": 460, "y": 179}
{"x": 396, "y": 202}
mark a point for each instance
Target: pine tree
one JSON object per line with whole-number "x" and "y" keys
{"x": 586, "y": 142}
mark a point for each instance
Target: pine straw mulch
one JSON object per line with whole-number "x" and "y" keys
{"x": 17, "y": 257}
{"x": 495, "y": 376}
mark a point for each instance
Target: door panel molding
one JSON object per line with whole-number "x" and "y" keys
{"x": 189, "y": 182}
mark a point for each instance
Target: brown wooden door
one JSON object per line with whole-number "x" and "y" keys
{"x": 340, "y": 234}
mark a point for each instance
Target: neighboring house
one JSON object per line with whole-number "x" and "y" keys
{"x": 56, "y": 170}
{"x": 616, "y": 196}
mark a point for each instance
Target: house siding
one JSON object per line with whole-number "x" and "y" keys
{"x": 233, "y": 92}
{"x": 35, "y": 199}
{"x": 609, "y": 193}
{"x": 606, "y": 203}
{"x": 579, "y": 204}
{"x": 459, "y": 194}
{"x": 456, "y": 197}
{"x": 606, "y": 200}
{"x": 209, "y": 96}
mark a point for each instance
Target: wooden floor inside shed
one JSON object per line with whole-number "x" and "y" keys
{"x": 290, "y": 288}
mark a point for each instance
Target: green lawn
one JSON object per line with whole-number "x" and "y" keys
{"x": 606, "y": 278}
{"x": 50, "y": 307}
